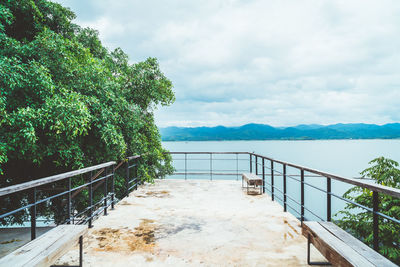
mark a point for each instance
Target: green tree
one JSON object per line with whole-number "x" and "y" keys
{"x": 67, "y": 102}
{"x": 359, "y": 222}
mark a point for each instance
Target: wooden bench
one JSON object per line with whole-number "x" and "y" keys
{"x": 252, "y": 180}
{"x": 339, "y": 247}
{"x": 47, "y": 248}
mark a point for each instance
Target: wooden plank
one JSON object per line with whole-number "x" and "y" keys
{"x": 46, "y": 249}
{"x": 251, "y": 176}
{"x": 50, "y": 179}
{"x": 335, "y": 250}
{"x": 361, "y": 248}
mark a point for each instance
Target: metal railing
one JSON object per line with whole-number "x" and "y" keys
{"x": 209, "y": 160}
{"x": 273, "y": 171}
{"x": 75, "y": 197}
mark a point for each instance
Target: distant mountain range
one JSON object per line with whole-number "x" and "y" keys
{"x": 266, "y": 132}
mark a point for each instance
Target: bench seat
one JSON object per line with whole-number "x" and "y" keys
{"x": 339, "y": 247}
{"x": 252, "y": 180}
{"x": 47, "y": 248}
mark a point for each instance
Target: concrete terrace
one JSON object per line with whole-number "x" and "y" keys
{"x": 191, "y": 223}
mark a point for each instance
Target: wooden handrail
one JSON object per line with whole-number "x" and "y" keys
{"x": 42, "y": 181}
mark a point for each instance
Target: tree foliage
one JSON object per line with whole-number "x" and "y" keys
{"x": 67, "y": 102}
{"x": 359, "y": 222}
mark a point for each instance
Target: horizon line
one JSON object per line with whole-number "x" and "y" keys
{"x": 301, "y": 124}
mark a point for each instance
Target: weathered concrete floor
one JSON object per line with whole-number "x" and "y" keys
{"x": 181, "y": 223}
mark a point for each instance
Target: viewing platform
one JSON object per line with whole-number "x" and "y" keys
{"x": 205, "y": 217}
{"x": 194, "y": 222}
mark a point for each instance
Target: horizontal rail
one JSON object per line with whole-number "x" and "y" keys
{"x": 53, "y": 196}
{"x": 207, "y": 153}
{"x": 99, "y": 175}
{"x": 215, "y": 159}
{"x": 42, "y": 181}
{"x": 394, "y": 192}
{"x": 204, "y": 173}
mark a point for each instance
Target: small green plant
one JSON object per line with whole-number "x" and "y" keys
{"x": 359, "y": 221}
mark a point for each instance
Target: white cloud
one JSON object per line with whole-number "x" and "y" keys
{"x": 108, "y": 28}
{"x": 275, "y": 62}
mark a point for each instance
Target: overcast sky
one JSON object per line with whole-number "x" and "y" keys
{"x": 275, "y": 62}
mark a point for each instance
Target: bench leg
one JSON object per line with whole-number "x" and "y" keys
{"x": 308, "y": 254}
{"x": 80, "y": 256}
{"x": 80, "y": 251}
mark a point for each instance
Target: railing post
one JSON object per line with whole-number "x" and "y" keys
{"x": 375, "y": 201}
{"x": 302, "y": 195}
{"x": 284, "y": 188}
{"x": 69, "y": 201}
{"x": 105, "y": 191}
{"x": 256, "y": 164}
{"x": 136, "y": 172}
{"x": 185, "y": 166}
{"x": 237, "y": 167}
{"x": 328, "y": 199}
{"x": 251, "y": 164}
{"x": 33, "y": 214}
{"x": 90, "y": 199}
{"x": 272, "y": 180}
{"x": 127, "y": 178}
{"x": 112, "y": 187}
{"x": 263, "y": 174}
{"x": 211, "y": 166}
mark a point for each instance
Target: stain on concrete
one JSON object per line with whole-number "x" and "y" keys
{"x": 290, "y": 226}
{"x": 170, "y": 229}
{"x": 126, "y": 240}
{"x": 157, "y": 194}
{"x": 124, "y": 203}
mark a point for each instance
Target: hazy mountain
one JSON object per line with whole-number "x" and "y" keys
{"x": 307, "y": 126}
{"x": 266, "y": 132}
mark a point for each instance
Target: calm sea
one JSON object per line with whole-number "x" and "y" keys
{"x": 341, "y": 157}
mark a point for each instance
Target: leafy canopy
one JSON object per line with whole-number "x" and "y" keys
{"x": 67, "y": 102}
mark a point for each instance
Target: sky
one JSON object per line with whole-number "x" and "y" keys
{"x": 276, "y": 62}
